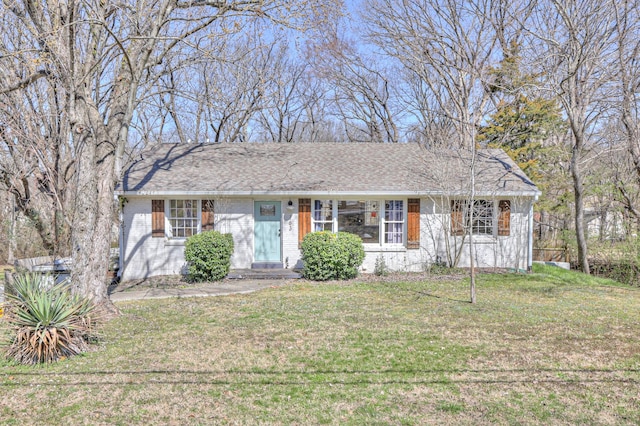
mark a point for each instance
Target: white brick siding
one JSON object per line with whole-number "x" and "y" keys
{"x": 144, "y": 256}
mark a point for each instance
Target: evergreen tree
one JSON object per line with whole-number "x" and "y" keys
{"x": 522, "y": 124}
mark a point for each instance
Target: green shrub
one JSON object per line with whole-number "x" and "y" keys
{"x": 208, "y": 255}
{"x": 329, "y": 256}
{"x": 380, "y": 268}
{"x": 626, "y": 271}
{"x": 48, "y": 323}
{"x": 617, "y": 260}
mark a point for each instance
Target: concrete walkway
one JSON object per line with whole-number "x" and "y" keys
{"x": 223, "y": 288}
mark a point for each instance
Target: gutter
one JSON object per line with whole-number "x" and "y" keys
{"x": 267, "y": 193}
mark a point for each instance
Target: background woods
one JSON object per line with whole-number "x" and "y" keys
{"x": 86, "y": 84}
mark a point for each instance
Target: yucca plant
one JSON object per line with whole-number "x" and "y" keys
{"x": 48, "y": 323}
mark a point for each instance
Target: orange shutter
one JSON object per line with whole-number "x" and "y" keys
{"x": 304, "y": 218}
{"x": 413, "y": 223}
{"x": 457, "y": 219}
{"x": 504, "y": 218}
{"x": 207, "y": 215}
{"x": 157, "y": 218}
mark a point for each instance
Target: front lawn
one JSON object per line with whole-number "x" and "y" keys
{"x": 553, "y": 347}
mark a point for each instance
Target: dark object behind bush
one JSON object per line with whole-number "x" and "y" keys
{"x": 208, "y": 255}
{"x": 329, "y": 256}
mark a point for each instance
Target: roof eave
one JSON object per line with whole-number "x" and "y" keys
{"x": 435, "y": 193}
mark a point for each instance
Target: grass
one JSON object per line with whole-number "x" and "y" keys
{"x": 553, "y": 347}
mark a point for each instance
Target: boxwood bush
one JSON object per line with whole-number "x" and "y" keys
{"x": 329, "y": 256}
{"x": 208, "y": 255}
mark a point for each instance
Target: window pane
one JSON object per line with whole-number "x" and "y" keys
{"x": 393, "y": 210}
{"x": 360, "y": 218}
{"x": 267, "y": 210}
{"x": 482, "y": 220}
{"x": 183, "y": 217}
{"x": 482, "y": 217}
{"x": 323, "y": 215}
{"x": 323, "y": 210}
{"x": 323, "y": 226}
{"x": 393, "y": 233}
{"x": 394, "y": 221}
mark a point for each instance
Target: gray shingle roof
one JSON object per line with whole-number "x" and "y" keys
{"x": 317, "y": 168}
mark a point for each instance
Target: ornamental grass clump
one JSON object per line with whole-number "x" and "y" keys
{"x": 46, "y": 322}
{"x": 208, "y": 255}
{"x": 329, "y": 256}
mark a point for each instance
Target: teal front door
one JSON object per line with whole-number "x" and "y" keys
{"x": 267, "y": 231}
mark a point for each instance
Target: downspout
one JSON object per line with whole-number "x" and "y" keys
{"x": 530, "y": 235}
{"x": 121, "y": 242}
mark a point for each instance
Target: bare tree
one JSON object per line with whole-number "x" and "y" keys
{"x": 36, "y": 163}
{"x": 574, "y": 43}
{"x": 445, "y": 48}
{"x": 627, "y": 77}
{"x": 362, "y": 92}
{"x": 231, "y": 93}
{"x": 100, "y": 55}
{"x": 316, "y": 124}
{"x": 283, "y": 115}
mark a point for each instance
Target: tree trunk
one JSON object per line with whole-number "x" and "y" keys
{"x": 91, "y": 236}
{"x": 578, "y": 189}
{"x": 12, "y": 232}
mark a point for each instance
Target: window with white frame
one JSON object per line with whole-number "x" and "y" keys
{"x": 360, "y": 218}
{"x": 482, "y": 217}
{"x": 375, "y": 221}
{"x": 183, "y": 217}
{"x": 323, "y": 215}
{"x": 393, "y": 221}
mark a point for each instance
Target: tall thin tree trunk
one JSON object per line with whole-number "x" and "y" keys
{"x": 578, "y": 189}
{"x": 472, "y": 269}
{"x": 472, "y": 265}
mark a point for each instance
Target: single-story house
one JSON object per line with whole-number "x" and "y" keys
{"x": 409, "y": 204}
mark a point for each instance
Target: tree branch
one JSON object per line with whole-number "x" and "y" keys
{"x": 25, "y": 82}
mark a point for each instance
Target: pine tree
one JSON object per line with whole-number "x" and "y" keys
{"x": 523, "y": 124}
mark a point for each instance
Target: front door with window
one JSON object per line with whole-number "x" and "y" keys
{"x": 267, "y": 234}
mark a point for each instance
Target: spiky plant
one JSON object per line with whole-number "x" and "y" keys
{"x": 48, "y": 322}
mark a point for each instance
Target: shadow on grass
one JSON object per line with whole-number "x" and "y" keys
{"x": 435, "y": 296}
{"x": 423, "y": 293}
{"x": 293, "y": 377}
